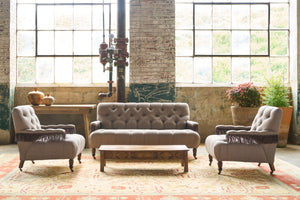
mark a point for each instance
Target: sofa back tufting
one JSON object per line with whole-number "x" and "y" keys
{"x": 143, "y": 115}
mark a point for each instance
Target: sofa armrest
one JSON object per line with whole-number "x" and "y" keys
{"x": 251, "y": 137}
{"x": 222, "y": 129}
{"x": 45, "y": 135}
{"x": 69, "y": 128}
{"x": 192, "y": 125}
{"x": 95, "y": 125}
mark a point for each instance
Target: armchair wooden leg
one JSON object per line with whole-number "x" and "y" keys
{"x": 195, "y": 153}
{"x": 94, "y": 153}
{"x": 71, "y": 162}
{"x": 210, "y": 159}
{"x": 21, "y": 164}
{"x": 259, "y": 164}
{"x": 33, "y": 162}
{"x": 220, "y": 164}
{"x": 272, "y": 167}
{"x": 79, "y": 158}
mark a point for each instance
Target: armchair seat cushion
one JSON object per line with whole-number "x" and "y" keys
{"x": 69, "y": 148}
{"x": 218, "y": 147}
{"x": 187, "y": 137}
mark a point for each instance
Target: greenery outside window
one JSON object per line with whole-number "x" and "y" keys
{"x": 58, "y": 41}
{"x": 224, "y": 42}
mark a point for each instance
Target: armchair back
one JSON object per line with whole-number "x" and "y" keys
{"x": 268, "y": 118}
{"x": 24, "y": 118}
{"x": 143, "y": 115}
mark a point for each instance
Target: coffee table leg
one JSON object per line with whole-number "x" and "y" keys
{"x": 102, "y": 161}
{"x": 185, "y": 160}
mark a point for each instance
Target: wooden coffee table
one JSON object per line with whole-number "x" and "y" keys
{"x": 165, "y": 152}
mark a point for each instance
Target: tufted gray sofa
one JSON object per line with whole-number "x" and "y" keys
{"x": 256, "y": 143}
{"x": 144, "y": 124}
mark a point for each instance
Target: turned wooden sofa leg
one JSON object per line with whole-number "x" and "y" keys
{"x": 272, "y": 167}
{"x": 21, "y": 164}
{"x": 94, "y": 153}
{"x": 220, "y": 164}
{"x": 210, "y": 159}
{"x": 79, "y": 158}
{"x": 195, "y": 153}
{"x": 71, "y": 162}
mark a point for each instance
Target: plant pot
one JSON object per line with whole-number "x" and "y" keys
{"x": 243, "y": 115}
{"x": 285, "y": 126}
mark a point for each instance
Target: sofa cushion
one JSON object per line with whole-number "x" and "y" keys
{"x": 68, "y": 148}
{"x": 186, "y": 137}
{"x": 143, "y": 115}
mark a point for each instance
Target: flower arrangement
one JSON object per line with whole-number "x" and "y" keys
{"x": 245, "y": 95}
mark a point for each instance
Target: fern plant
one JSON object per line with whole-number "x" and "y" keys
{"x": 275, "y": 92}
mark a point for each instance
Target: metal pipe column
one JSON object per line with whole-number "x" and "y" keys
{"x": 122, "y": 45}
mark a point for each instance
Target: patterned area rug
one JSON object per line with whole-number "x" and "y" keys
{"x": 52, "y": 179}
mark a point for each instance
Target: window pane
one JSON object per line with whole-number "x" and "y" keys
{"x": 82, "y": 17}
{"x": 26, "y": 16}
{"x": 203, "y": 16}
{"x": 240, "y": 70}
{"x": 221, "y": 70}
{"x": 98, "y": 75}
{"x": 221, "y": 43}
{"x": 222, "y": 16}
{"x": 97, "y": 17}
{"x": 279, "y": 43}
{"x": 259, "y": 16}
{"x": 184, "y": 70}
{"x": 259, "y": 42}
{"x": 44, "y": 70}
{"x": 82, "y": 70}
{"x": 63, "y": 70}
{"x": 63, "y": 17}
{"x": 82, "y": 43}
{"x": 203, "y": 42}
{"x": 259, "y": 69}
{"x": 26, "y": 43}
{"x": 279, "y": 66}
{"x": 45, "y": 43}
{"x": 63, "y": 43}
{"x": 279, "y": 16}
{"x": 45, "y": 17}
{"x": 26, "y": 69}
{"x": 240, "y": 42}
{"x": 184, "y": 16}
{"x": 240, "y": 16}
{"x": 184, "y": 43}
{"x": 203, "y": 70}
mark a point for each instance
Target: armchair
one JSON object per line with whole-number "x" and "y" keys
{"x": 42, "y": 142}
{"x": 256, "y": 143}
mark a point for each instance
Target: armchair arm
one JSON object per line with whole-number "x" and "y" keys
{"x": 69, "y": 128}
{"x": 251, "y": 137}
{"x": 222, "y": 129}
{"x": 45, "y": 135}
{"x": 95, "y": 125}
{"x": 192, "y": 125}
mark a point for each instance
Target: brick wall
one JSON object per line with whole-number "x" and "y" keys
{"x": 7, "y": 66}
{"x": 152, "y": 50}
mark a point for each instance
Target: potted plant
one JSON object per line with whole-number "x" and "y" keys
{"x": 277, "y": 94}
{"x": 245, "y": 99}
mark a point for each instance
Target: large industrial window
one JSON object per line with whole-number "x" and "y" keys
{"x": 225, "y": 42}
{"x": 58, "y": 41}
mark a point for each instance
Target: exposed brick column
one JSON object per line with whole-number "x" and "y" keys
{"x": 152, "y": 50}
{"x": 7, "y": 66}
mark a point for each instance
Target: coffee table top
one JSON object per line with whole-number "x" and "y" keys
{"x": 143, "y": 148}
